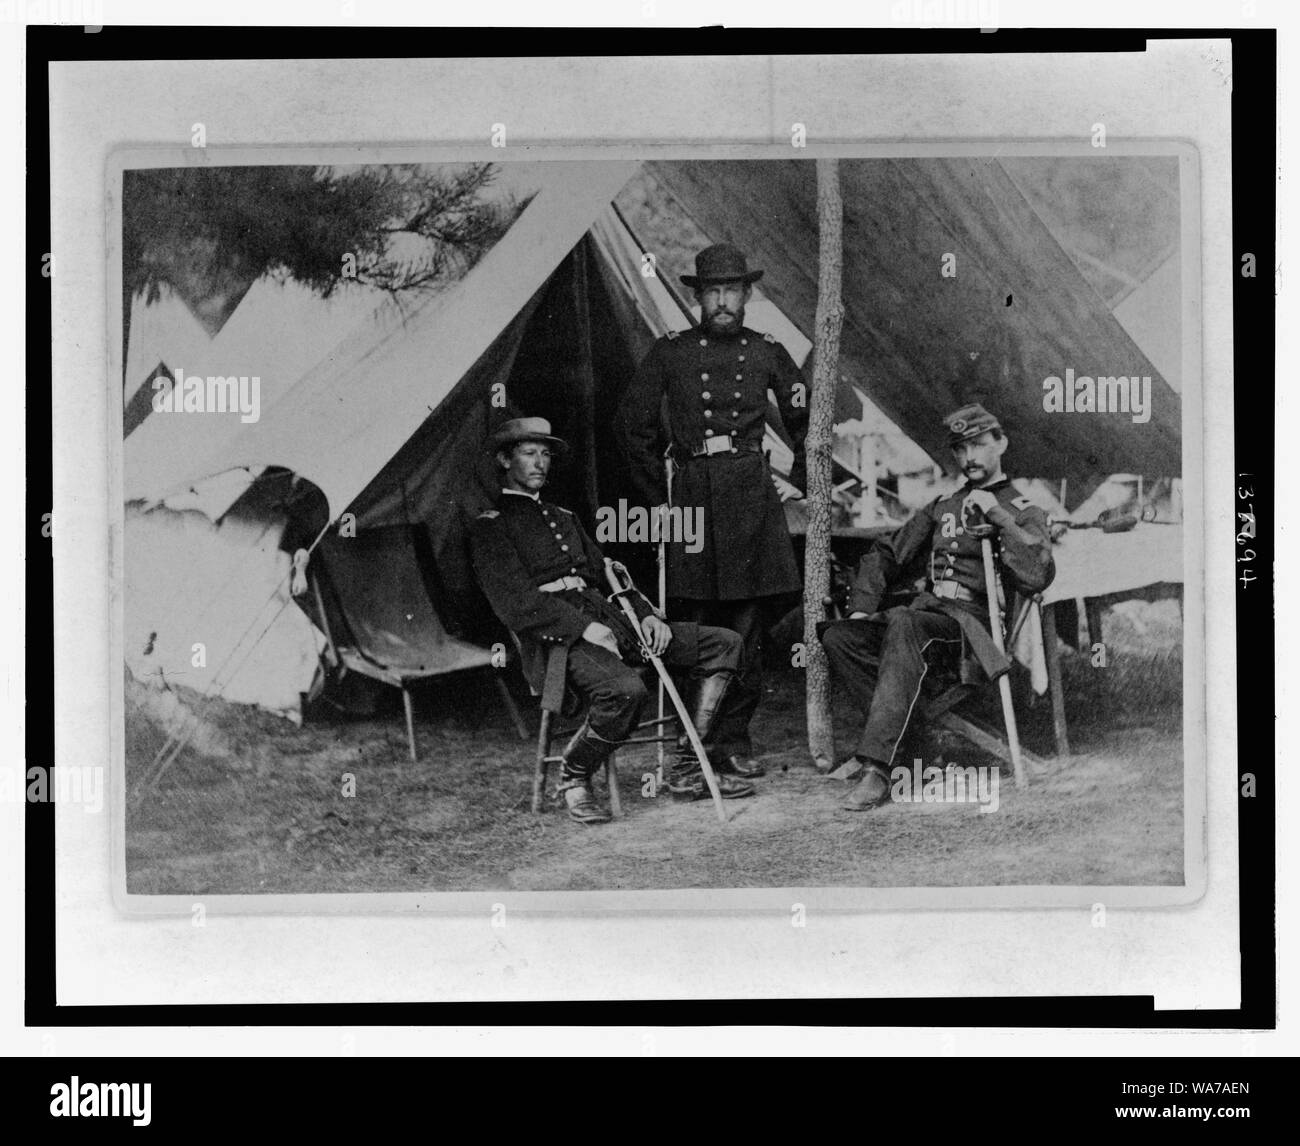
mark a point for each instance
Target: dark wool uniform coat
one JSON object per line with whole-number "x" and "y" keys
{"x": 525, "y": 543}
{"x": 716, "y": 386}
{"x": 1022, "y": 555}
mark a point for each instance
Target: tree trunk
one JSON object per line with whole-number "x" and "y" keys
{"x": 826, "y": 373}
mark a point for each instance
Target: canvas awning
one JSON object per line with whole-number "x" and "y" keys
{"x": 920, "y": 344}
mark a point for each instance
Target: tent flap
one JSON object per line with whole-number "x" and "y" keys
{"x": 1016, "y": 311}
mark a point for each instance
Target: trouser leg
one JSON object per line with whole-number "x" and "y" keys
{"x": 614, "y": 693}
{"x": 853, "y": 652}
{"x": 910, "y": 635}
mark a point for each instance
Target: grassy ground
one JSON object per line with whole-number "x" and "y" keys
{"x": 258, "y": 806}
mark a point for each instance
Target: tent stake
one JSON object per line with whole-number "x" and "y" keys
{"x": 410, "y": 722}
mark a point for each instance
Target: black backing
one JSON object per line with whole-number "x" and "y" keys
{"x": 1253, "y": 174}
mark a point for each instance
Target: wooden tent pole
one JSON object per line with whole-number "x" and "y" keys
{"x": 818, "y": 445}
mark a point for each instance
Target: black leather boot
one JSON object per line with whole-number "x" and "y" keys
{"x": 686, "y": 779}
{"x": 708, "y": 702}
{"x": 708, "y": 699}
{"x": 739, "y": 766}
{"x": 585, "y": 753}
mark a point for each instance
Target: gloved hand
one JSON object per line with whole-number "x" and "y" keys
{"x": 786, "y": 491}
{"x": 603, "y": 636}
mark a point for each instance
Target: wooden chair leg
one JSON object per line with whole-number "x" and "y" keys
{"x": 993, "y": 745}
{"x": 511, "y": 707}
{"x": 410, "y": 723}
{"x": 1092, "y": 611}
{"x": 1052, "y": 650}
{"x": 611, "y": 778}
{"x": 543, "y": 751}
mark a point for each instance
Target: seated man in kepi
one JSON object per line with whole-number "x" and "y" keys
{"x": 543, "y": 576}
{"x": 952, "y": 615}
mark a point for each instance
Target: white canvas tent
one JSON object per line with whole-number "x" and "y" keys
{"x": 388, "y": 423}
{"x": 336, "y": 425}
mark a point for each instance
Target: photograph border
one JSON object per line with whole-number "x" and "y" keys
{"x": 720, "y": 899}
{"x": 59, "y": 995}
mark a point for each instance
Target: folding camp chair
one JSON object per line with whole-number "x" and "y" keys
{"x": 940, "y": 700}
{"x": 378, "y": 619}
{"x": 547, "y": 733}
{"x": 941, "y": 705}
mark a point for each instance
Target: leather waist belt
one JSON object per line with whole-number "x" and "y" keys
{"x": 563, "y": 583}
{"x": 724, "y": 444}
{"x": 952, "y": 591}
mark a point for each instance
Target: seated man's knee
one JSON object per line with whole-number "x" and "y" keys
{"x": 900, "y": 622}
{"x": 730, "y": 650}
{"x": 615, "y": 704}
{"x": 839, "y": 636}
{"x": 626, "y": 691}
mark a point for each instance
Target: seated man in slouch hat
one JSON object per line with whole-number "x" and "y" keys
{"x": 543, "y": 576}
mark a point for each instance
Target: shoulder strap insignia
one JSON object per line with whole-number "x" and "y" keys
{"x": 489, "y": 514}
{"x": 672, "y": 334}
{"x": 1021, "y": 502}
{"x": 769, "y": 338}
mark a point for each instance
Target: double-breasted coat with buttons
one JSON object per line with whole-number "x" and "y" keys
{"x": 525, "y": 543}
{"x": 718, "y": 386}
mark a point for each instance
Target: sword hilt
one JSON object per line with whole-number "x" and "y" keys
{"x": 620, "y": 580}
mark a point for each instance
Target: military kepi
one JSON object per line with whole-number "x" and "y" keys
{"x": 518, "y": 430}
{"x": 721, "y": 263}
{"x": 969, "y": 422}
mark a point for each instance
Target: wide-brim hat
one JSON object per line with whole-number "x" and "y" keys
{"x": 721, "y": 263}
{"x": 517, "y": 430}
{"x": 969, "y": 422}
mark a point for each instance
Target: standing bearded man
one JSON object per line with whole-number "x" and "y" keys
{"x": 716, "y": 378}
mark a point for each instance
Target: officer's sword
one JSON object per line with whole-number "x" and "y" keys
{"x": 621, "y": 584}
{"x": 1004, "y": 681}
{"x": 663, "y": 599}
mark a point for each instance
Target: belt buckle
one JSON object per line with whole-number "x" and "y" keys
{"x": 946, "y": 589}
{"x": 718, "y": 444}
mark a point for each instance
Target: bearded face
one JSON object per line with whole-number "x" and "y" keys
{"x": 722, "y": 307}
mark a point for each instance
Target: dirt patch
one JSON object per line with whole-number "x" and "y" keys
{"x": 260, "y": 806}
